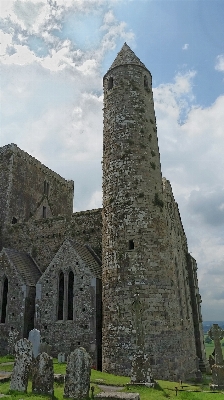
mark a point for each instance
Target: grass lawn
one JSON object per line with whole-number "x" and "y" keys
{"x": 164, "y": 389}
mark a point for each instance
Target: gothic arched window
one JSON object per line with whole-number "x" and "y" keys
{"x": 61, "y": 296}
{"x": 4, "y": 301}
{"x": 70, "y": 295}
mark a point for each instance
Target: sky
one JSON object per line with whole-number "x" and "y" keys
{"x": 53, "y": 56}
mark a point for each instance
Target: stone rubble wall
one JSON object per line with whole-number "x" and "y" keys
{"x": 5, "y": 172}
{"x": 42, "y": 238}
{"x": 25, "y": 191}
{"x": 143, "y": 253}
{"x": 66, "y": 335}
{"x": 16, "y": 299}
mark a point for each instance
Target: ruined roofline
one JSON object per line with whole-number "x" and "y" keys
{"x": 167, "y": 188}
{"x": 94, "y": 210}
{"x": 24, "y": 264}
{"x": 32, "y": 160}
{"x": 126, "y": 56}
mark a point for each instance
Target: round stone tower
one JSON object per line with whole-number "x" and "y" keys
{"x": 139, "y": 304}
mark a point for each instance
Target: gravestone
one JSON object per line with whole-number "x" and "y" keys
{"x": 34, "y": 338}
{"x": 61, "y": 358}
{"x": 12, "y": 339}
{"x": 22, "y": 365}
{"x": 45, "y": 348}
{"x": 216, "y": 334}
{"x": 77, "y": 378}
{"x": 140, "y": 369}
{"x": 43, "y": 375}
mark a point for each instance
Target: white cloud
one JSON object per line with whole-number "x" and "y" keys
{"x": 95, "y": 200}
{"x": 6, "y": 41}
{"x": 192, "y": 159}
{"x": 21, "y": 55}
{"x": 185, "y": 46}
{"x": 220, "y": 63}
{"x": 53, "y": 109}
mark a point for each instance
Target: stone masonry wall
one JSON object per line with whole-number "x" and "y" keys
{"x": 16, "y": 298}
{"x": 196, "y": 309}
{"x": 32, "y": 187}
{"x": 66, "y": 335}
{"x": 141, "y": 296}
{"x": 42, "y": 238}
{"x": 86, "y": 227}
{"x": 5, "y": 172}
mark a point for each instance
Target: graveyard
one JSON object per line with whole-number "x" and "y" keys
{"x": 164, "y": 389}
{"x": 32, "y": 373}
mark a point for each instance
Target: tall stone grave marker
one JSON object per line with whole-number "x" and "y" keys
{"x": 77, "y": 378}
{"x": 140, "y": 369}
{"x": 12, "y": 339}
{"x": 216, "y": 334}
{"x": 34, "y": 338}
{"x": 43, "y": 375}
{"x": 22, "y": 365}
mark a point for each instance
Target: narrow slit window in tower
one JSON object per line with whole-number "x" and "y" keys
{"x": 146, "y": 84}
{"x": 70, "y": 295}
{"x": 4, "y": 301}
{"x": 44, "y": 212}
{"x": 14, "y": 220}
{"x": 60, "y": 296}
{"x": 46, "y": 188}
{"x": 131, "y": 244}
{"x": 110, "y": 83}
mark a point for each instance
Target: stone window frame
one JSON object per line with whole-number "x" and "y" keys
{"x": 70, "y": 296}
{"x": 61, "y": 292}
{"x": 66, "y": 310}
{"x": 44, "y": 212}
{"x": 46, "y": 188}
{"x": 131, "y": 245}
{"x": 4, "y": 299}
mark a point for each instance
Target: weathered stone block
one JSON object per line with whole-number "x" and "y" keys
{"x": 218, "y": 375}
{"x": 22, "y": 365}
{"x": 77, "y": 378}
{"x": 43, "y": 375}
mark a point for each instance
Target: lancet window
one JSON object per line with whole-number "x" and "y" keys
{"x": 65, "y": 296}
{"x": 4, "y": 300}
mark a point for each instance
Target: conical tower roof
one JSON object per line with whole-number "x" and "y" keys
{"x": 126, "y": 56}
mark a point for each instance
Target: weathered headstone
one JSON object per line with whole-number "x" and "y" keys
{"x": 22, "y": 365}
{"x": 61, "y": 358}
{"x": 45, "y": 348}
{"x": 77, "y": 378}
{"x": 43, "y": 375}
{"x": 34, "y": 338}
{"x": 216, "y": 334}
{"x": 140, "y": 369}
{"x": 12, "y": 339}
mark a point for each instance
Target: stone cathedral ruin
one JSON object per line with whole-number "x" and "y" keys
{"x": 118, "y": 281}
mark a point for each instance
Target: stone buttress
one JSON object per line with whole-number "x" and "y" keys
{"x": 141, "y": 305}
